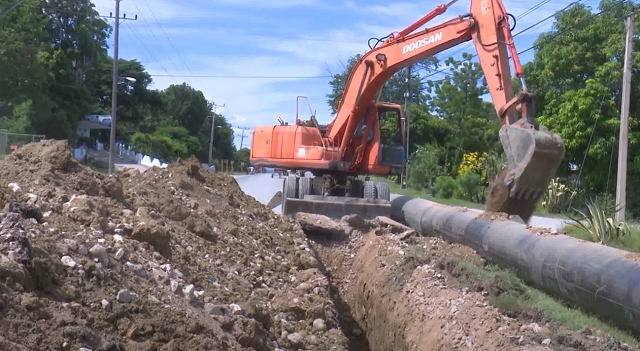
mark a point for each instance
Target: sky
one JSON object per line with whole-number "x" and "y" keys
{"x": 256, "y": 56}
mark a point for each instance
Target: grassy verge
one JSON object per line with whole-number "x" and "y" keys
{"x": 99, "y": 167}
{"x": 397, "y": 189}
{"x": 628, "y": 242}
{"x": 517, "y": 300}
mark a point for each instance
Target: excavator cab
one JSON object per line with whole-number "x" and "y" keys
{"x": 393, "y": 141}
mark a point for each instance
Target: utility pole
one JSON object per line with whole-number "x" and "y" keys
{"x": 114, "y": 87}
{"x": 407, "y": 100}
{"x": 242, "y": 136}
{"x": 623, "y": 144}
{"x": 213, "y": 126}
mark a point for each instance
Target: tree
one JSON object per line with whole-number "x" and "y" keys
{"x": 137, "y": 105}
{"x": 471, "y": 123}
{"x": 53, "y": 56}
{"x": 242, "y": 156}
{"x": 24, "y": 64}
{"x": 393, "y": 90}
{"x": 78, "y": 41}
{"x": 187, "y": 107}
{"x": 577, "y": 77}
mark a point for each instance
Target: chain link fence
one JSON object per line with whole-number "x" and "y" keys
{"x": 12, "y": 141}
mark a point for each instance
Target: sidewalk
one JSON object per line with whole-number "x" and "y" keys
{"x": 102, "y": 158}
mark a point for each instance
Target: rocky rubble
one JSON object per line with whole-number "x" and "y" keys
{"x": 170, "y": 259}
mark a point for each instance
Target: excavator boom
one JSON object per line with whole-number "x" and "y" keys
{"x": 533, "y": 154}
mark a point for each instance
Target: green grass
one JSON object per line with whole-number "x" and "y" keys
{"x": 98, "y": 168}
{"x": 516, "y": 298}
{"x": 397, "y": 189}
{"x": 629, "y": 242}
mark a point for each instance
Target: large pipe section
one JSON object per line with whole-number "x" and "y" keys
{"x": 600, "y": 279}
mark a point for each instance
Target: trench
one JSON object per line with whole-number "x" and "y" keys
{"x": 352, "y": 330}
{"x": 395, "y": 293}
{"x": 370, "y": 299}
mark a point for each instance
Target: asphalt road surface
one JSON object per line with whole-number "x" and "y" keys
{"x": 262, "y": 187}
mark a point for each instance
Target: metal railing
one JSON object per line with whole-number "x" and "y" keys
{"x": 11, "y": 141}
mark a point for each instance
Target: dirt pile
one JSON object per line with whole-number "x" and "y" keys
{"x": 416, "y": 293}
{"x": 171, "y": 259}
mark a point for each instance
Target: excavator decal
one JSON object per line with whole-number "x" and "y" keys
{"x": 351, "y": 145}
{"x": 422, "y": 42}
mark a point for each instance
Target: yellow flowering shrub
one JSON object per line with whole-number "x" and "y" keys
{"x": 471, "y": 161}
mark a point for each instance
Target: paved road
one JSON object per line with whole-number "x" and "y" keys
{"x": 262, "y": 187}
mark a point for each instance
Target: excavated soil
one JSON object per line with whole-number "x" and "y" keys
{"x": 171, "y": 259}
{"x": 501, "y": 217}
{"x": 408, "y": 292}
{"x": 498, "y": 200}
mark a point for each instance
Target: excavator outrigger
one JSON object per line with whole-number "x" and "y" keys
{"x": 351, "y": 144}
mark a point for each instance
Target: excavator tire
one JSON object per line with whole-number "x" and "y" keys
{"x": 289, "y": 187}
{"x": 370, "y": 190}
{"x": 304, "y": 187}
{"x": 383, "y": 191}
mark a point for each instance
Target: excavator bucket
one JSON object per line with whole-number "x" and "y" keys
{"x": 533, "y": 158}
{"x": 296, "y": 197}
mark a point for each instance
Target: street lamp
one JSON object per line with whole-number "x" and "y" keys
{"x": 114, "y": 105}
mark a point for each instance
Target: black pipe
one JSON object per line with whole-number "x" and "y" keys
{"x": 598, "y": 278}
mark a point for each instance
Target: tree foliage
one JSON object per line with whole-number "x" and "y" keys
{"x": 53, "y": 56}
{"x": 392, "y": 91}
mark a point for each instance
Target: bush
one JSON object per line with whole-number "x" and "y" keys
{"x": 600, "y": 227}
{"x": 557, "y": 197}
{"x": 425, "y": 166}
{"x": 469, "y": 187}
{"x": 444, "y": 187}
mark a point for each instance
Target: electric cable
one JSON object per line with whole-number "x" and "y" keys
{"x": 548, "y": 40}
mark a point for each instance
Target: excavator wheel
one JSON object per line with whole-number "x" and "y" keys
{"x": 533, "y": 158}
{"x": 289, "y": 187}
{"x": 383, "y": 191}
{"x": 370, "y": 191}
{"x": 304, "y": 187}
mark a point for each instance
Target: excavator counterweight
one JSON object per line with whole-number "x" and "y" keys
{"x": 353, "y": 144}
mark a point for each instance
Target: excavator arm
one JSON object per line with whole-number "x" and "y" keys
{"x": 533, "y": 154}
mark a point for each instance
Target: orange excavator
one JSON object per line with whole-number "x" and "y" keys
{"x": 351, "y": 146}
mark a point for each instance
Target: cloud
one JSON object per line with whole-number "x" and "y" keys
{"x": 247, "y": 101}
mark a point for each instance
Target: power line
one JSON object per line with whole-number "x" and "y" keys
{"x": 12, "y": 8}
{"x": 242, "y": 77}
{"x": 166, "y": 36}
{"x": 149, "y": 52}
{"x": 155, "y": 37}
{"x": 551, "y": 38}
{"x": 147, "y": 49}
{"x": 520, "y": 16}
